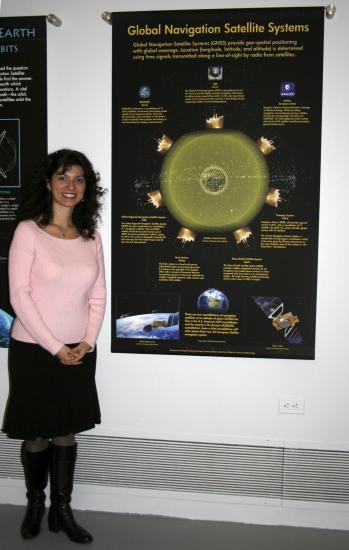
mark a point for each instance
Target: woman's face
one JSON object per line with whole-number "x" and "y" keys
{"x": 67, "y": 186}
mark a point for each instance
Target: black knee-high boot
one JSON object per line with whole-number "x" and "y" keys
{"x": 36, "y": 476}
{"x": 60, "y": 517}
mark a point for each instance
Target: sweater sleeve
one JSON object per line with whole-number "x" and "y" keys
{"x": 97, "y": 299}
{"x": 21, "y": 257}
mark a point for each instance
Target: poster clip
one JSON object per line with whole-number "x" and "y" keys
{"x": 106, "y": 16}
{"x": 54, "y": 20}
{"x": 330, "y": 11}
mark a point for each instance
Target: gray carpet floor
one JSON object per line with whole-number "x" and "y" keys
{"x": 133, "y": 532}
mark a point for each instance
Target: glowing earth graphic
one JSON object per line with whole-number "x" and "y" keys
{"x": 214, "y": 181}
{"x": 5, "y": 328}
{"x": 213, "y": 301}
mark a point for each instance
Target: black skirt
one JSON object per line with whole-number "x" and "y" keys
{"x": 48, "y": 399}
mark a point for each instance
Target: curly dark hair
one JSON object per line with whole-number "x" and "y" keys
{"x": 36, "y": 203}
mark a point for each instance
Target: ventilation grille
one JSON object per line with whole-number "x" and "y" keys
{"x": 181, "y": 466}
{"x": 321, "y": 476}
{"x": 222, "y": 469}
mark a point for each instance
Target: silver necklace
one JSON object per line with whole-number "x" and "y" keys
{"x": 62, "y": 230}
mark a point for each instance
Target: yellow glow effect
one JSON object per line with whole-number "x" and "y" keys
{"x": 155, "y": 198}
{"x": 273, "y": 197}
{"x": 216, "y": 122}
{"x": 164, "y": 143}
{"x": 242, "y": 235}
{"x": 186, "y": 235}
{"x": 266, "y": 145}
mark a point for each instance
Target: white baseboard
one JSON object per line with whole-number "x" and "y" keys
{"x": 195, "y": 506}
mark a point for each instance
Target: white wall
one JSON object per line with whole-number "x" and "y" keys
{"x": 202, "y": 398}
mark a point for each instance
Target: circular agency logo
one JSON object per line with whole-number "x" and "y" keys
{"x": 287, "y": 89}
{"x": 144, "y": 92}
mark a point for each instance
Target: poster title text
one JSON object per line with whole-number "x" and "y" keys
{"x": 17, "y": 32}
{"x": 228, "y": 28}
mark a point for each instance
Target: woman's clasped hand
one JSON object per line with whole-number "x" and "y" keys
{"x": 73, "y": 356}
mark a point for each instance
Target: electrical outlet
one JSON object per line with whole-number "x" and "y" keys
{"x": 291, "y": 406}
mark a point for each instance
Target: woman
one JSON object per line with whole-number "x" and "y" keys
{"x": 57, "y": 290}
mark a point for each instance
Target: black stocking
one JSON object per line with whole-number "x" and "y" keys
{"x": 64, "y": 440}
{"x": 36, "y": 445}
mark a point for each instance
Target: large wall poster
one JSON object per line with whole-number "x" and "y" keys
{"x": 23, "y": 129}
{"x": 216, "y": 172}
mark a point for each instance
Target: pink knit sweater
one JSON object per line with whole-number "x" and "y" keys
{"x": 57, "y": 288}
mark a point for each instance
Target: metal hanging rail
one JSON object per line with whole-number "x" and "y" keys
{"x": 330, "y": 11}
